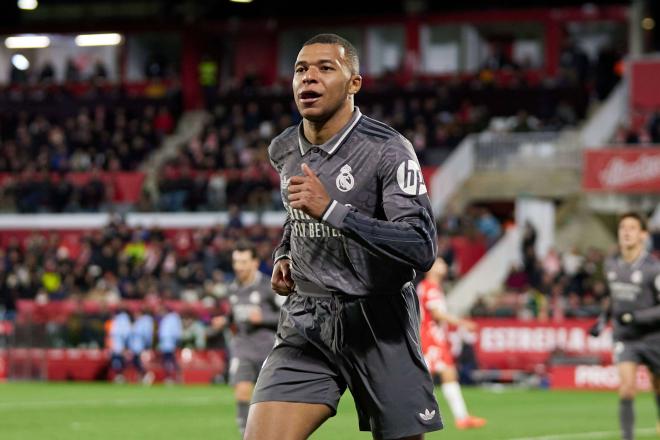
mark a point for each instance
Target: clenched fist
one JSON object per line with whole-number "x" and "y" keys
{"x": 308, "y": 194}
{"x": 281, "y": 281}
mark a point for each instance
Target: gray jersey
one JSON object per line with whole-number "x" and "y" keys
{"x": 635, "y": 288}
{"x": 253, "y": 341}
{"x": 379, "y": 226}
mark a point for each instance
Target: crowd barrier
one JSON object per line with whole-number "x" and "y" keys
{"x": 510, "y": 344}
{"x": 196, "y": 366}
{"x": 563, "y": 350}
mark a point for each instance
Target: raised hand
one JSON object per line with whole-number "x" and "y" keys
{"x": 308, "y": 194}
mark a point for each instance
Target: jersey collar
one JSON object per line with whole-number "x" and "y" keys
{"x": 635, "y": 264}
{"x": 257, "y": 279}
{"x": 335, "y": 142}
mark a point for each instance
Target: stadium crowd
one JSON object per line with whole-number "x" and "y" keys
{"x": 119, "y": 262}
{"x": 558, "y": 285}
{"x": 227, "y": 162}
{"x": 38, "y": 151}
{"x": 643, "y": 129}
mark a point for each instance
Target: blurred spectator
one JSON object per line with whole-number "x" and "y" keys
{"x": 606, "y": 75}
{"x": 573, "y": 291}
{"x": 498, "y": 58}
{"x": 93, "y": 193}
{"x": 571, "y": 262}
{"x": 193, "y": 332}
{"x": 488, "y": 225}
{"x": 164, "y": 121}
{"x": 208, "y": 77}
{"x": 551, "y": 263}
{"x": 524, "y": 122}
{"x": 99, "y": 71}
{"x": 16, "y": 75}
{"x": 51, "y": 281}
{"x": 155, "y": 66}
{"x": 47, "y": 74}
{"x": 574, "y": 63}
{"x": 72, "y": 71}
{"x": 653, "y": 127}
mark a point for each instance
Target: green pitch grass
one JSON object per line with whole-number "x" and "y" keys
{"x": 55, "y": 411}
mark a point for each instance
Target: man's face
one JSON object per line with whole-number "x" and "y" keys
{"x": 322, "y": 81}
{"x": 631, "y": 233}
{"x": 244, "y": 265}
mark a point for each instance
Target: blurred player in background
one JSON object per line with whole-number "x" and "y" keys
{"x": 435, "y": 342}
{"x": 141, "y": 339}
{"x": 633, "y": 277}
{"x": 120, "y": 331}
{"x": 170, "y": 330}
{"x": 359, "y": 222}
{"x": 254, "y": 312}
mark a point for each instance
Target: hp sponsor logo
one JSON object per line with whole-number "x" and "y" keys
{"x": 409, "y": 177}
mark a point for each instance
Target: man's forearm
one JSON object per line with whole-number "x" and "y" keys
{"x": 648, "y": 316}
{"x": 411, "y": 241}
{"x": 283, "y": 249}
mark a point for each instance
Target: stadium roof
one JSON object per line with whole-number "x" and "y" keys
{"x": 187, "y": 11}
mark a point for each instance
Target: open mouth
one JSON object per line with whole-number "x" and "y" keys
{"x": 309, "y": 97}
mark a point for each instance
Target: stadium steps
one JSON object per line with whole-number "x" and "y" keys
{"x": 190, "y": 124}
{"x": 580, "y": 227}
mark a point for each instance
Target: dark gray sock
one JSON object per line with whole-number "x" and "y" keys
{"x": 626, "y": 418}
{"x": 241, "y": 415}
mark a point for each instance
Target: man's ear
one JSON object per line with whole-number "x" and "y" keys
{"x": 355, "y": 84}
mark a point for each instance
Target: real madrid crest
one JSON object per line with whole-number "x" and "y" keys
{"x": 636, "y": 277}
{"x": 345, "y": 180}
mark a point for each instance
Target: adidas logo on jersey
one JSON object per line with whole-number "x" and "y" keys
{"x": 427, "y": 415}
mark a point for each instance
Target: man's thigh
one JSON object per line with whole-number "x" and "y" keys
{"x": 385, "y": 368}
{"x": 627, "y": 351}
{"x": 300, "y": 368}
{"x": 650, "y": 356}
{"x": 265, "y": 420}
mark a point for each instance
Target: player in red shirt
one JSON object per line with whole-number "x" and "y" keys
{"x": 435, "y": 342}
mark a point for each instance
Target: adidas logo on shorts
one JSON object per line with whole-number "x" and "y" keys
{"x": 427, "y": 415}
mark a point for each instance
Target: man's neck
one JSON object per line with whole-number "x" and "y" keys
{"x": 248, "y": 280}
{"x": 318, "y": 133}
{"x": 630, "y": 255}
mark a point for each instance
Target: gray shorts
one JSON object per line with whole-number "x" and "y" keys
{"x": 368, "y": 344}
{"x": 244, "y": 370}
{"x": 639, "y": 352}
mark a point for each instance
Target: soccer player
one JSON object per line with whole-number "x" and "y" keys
{"x": 633, "y": 277}
{"x": 120, "y": 330}
{"x": 359, "y": 223}
{"x": 141, "y": 339}
{"x": 254, "y": 312}
{"x": 435, "y": 342}
{"x": 169, "y": 336}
